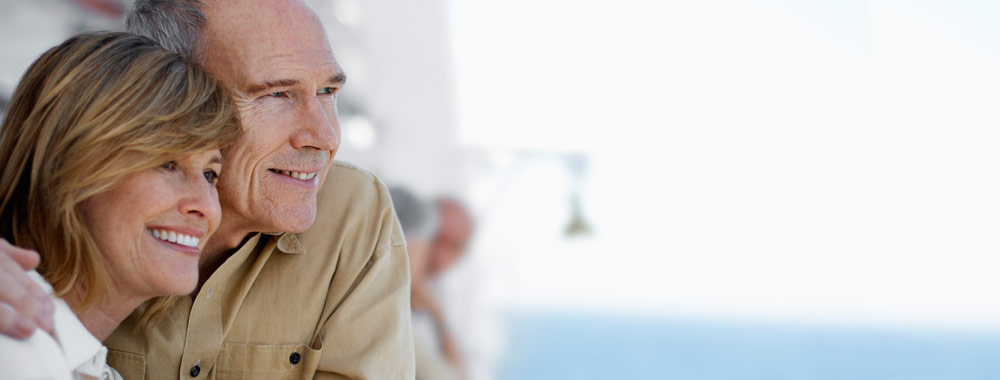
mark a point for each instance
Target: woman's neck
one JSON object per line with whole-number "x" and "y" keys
{"x": 103, "y": 317}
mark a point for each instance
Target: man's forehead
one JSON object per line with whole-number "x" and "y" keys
{"x": 259, "y": 11}
{"x": 323, "y": 56}
{"x": 254, "y": 44}
{"x": 310, "y": 65}
{"x": 271, "y": 24}
{"x": 242, "y": 67}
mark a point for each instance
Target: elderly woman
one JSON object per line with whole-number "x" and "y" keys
{"x": 110, "y": 155}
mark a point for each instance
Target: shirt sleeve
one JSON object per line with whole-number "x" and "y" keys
{"x": 38, "y": 357}
{"x": 368, "y": 335}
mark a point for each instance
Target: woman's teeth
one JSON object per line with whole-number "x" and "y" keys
{"x": 297, "y": 175}
{"x": 174, "y": 237}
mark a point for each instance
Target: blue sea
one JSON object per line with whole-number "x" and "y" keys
{"x": 548, "y": 347}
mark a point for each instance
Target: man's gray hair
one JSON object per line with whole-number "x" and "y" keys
{"x": 177, "y": 25}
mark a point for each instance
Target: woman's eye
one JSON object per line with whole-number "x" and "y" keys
{"x": 212, "y": 177}
{"x": 169, "y": 166}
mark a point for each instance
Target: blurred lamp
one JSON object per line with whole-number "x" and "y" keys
{"x": 576, "y": 164}
{"x": 577, "y": 225}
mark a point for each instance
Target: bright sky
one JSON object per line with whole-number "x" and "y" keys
{"x": 796, "y": 160}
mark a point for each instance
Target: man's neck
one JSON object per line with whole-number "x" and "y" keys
{"x": 223, "y": 243}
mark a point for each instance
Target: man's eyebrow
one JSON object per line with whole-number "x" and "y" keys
{"x": 338, "y": 78}
{"x": 257, "y": 88}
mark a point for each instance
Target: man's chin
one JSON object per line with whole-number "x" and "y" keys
{"x": 296, "y": 221}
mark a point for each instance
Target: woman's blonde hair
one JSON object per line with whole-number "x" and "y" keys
{"x": 86, "y": 114}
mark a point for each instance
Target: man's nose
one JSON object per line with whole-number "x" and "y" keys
{"x": 318, "y": 127}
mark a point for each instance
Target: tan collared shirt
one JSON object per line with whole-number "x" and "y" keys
{"x": 329, "y": 303}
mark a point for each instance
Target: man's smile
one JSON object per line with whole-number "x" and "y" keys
{"x": 303, "y": 175}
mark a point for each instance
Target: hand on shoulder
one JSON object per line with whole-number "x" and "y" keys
{"x": 24, "y": 306}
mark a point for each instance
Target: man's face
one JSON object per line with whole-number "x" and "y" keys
{"x": 273, "y": 55}
{"x": 453, "y": 235}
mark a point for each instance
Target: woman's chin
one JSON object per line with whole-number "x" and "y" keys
{"x": 178, "y": 279}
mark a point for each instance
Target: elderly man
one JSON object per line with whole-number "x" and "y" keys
{"x": 302, "y": 279}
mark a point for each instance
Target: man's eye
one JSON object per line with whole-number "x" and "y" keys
{"x": 277, "y": 94}
{"x": 326, "y": 91}
{"x": 212, "y": 177}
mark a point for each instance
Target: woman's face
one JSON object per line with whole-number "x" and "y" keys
{"x": 152, "y": 225}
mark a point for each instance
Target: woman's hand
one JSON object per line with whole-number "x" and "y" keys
{"x": 24, "y": 306}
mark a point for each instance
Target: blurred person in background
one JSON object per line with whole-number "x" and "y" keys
{"x": 447, "y": 247}
{"x": 438, "y": 356}
{"x": 111, "y": 157}
{"x": 452, "y": 238}
{"x": 310, "y": 281}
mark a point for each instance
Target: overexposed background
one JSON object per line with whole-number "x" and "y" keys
{"x": 829, "y": 164}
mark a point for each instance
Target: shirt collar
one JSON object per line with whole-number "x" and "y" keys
{"x": 288, "y": 243}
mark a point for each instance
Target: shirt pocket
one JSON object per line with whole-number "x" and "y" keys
{"x": 130, "y": 366}
{"x": 267, "y": 361}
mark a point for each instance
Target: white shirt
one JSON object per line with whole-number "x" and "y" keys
{"x": 430, "y": 360}
{"x": 72, "y": 354}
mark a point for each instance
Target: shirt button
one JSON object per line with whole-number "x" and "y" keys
{"x": 295, "y": 358}
{"x": 195, "y": 370}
